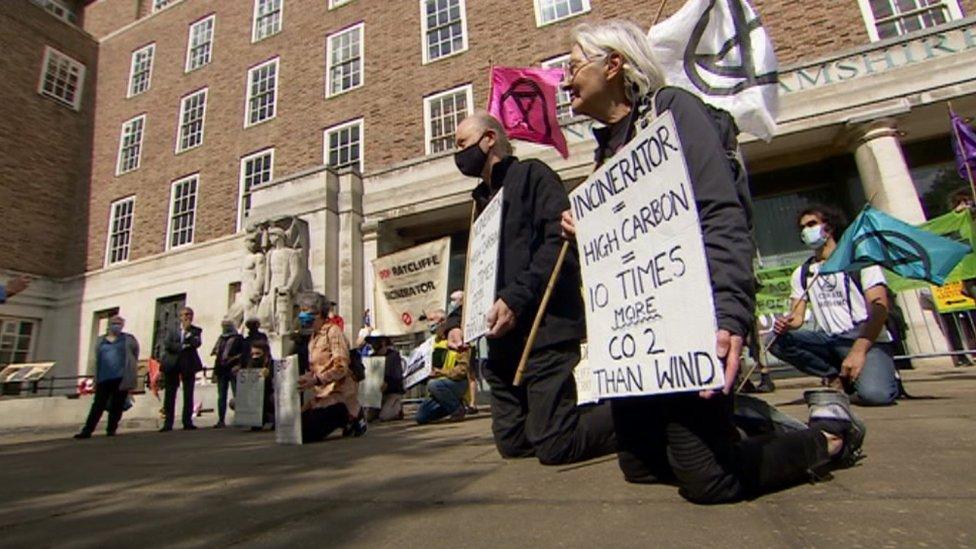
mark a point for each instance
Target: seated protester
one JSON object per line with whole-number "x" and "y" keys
{"x": 334, "y": 404}
{"x": 254, "y": 334}
{"x": 850, "y": 346}
{"x": 393, "y": 390}
{"x": 447, "y": 384}
{"x": 261, "y": 359}
{"x": 540, "y": 417}
{"x": 689, "y": 438}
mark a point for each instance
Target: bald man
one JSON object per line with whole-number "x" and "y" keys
{"x": 540, "y": 417}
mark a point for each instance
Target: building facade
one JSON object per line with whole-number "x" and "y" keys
{"x": 211, "y": 115}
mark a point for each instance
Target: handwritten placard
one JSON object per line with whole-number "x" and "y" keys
{"x": 249, "y": 398}
{"x": 288, "y": 408}
{"x": 649, "y": 313}
{"x": 482, "y": 273}
{"x": 420, "y": 364}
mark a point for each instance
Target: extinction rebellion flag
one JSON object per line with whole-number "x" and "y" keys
{"x": 719, "y": 50}
{"x": 524, "y": 101}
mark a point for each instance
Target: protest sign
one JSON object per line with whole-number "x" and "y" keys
{"x": 288, "y": 407}
{"x": 249, "y": 398}
{"x": 583, "y": 374}
{"x": 420, "y": 364}
{"x": 408, "y": 284}
{"x": 371, "y": 388}
{"x": 650, "y": 317}
{"x": 482, "y": 272}
{"x": 949, "y": 298}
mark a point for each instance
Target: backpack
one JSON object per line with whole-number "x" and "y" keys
{"x": 356, "y": 365}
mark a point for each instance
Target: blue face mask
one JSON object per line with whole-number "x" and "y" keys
{"x": 306, "y": 318}
{"x": 115, "y": 329}
{"x": 813, "y": 237}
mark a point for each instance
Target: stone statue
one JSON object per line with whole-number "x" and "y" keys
{"x": 274, "y": 271}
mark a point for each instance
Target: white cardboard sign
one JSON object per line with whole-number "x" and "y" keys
{"x": 482, "y": 273}
{"x": 650, "y": 318}
{"x": 288, "y": 407}
{"x": 371, "y": 387}
{"x": 420, "y": 364}
{"x": 249, "y": 398}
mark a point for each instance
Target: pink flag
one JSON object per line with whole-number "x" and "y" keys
{"x": 524, "y": 100}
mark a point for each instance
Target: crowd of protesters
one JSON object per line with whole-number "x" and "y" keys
{"x": 691, "y": 440}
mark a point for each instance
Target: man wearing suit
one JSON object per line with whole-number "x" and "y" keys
{"x": 181, "y": 361}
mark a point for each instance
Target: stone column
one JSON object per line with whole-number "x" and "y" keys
{"x": 888, "y": 187}
{"x": 350, "y": 296}
{"x": 371, "y": 235}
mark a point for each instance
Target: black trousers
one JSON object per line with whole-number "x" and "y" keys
{"x": 318, "y": 423}
{"x": 107, "y": 393}
{"x": 541, "y": 417}
{"x": 691, "y": 441}
{"x": 173, "y": 380}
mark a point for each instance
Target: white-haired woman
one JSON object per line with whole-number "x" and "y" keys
{"x": 689, "y": 438}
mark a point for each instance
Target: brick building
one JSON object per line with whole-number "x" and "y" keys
{"x": 211, "y": 114}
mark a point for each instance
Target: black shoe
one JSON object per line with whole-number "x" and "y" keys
{"x": 83, "y": 435}
{"x": 471, "y": 410}
{"x": 219, "y": 425}
{"x": 190, "y": 427}
{"x": 830, "y": 411}
{"x": 110, "y": 433}
{"x": 165, "y": 429}
{"x": 766, "y": 384}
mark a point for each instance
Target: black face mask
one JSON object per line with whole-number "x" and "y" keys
{"x": 471, "y": 160}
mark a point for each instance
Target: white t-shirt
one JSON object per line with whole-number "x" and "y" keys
{"x": 828, "y": 298}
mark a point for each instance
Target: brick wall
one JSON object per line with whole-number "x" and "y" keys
{"x": 45, "y": 146}
{"x": 390, "y": 102}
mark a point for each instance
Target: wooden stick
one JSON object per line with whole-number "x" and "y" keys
{"x": 538, "y": 315}
{"x": 660, "y": 12}
{"x": 765, "y": 349}
{"x": 965, "y": 161}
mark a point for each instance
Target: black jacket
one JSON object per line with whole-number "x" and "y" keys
{"x": 533, "y": 202}
{"x": 724, "y": 219}
{"x": 393, "y": 376}
{"x": 228, "y": 352}
{"x": 182, "y": 356}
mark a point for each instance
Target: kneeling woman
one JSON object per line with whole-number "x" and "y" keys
{"x": 334, "y": 403}
{"x": 689, "y": 438}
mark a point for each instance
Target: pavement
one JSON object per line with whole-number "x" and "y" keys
{"x": 445, "y": 486}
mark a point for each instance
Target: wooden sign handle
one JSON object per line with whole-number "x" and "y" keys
{"x": 538, "y": 315}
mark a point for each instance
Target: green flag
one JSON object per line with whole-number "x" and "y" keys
{"x": 957, "y": 226}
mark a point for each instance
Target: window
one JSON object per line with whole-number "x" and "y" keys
{"x": 200, "y": 43}
{"x": 343, "y": 145}
{"x": 442, "y": 114}
{"x": 193, "y": 110}
{"x": 182, "y": 212}
{"x": 130, "y": 144}
{"x": 344, "y": 53}
{"x": 564, "y": 109}
{"x": 444, "y": 28}
{"x": 16, "y": 339}
{"x": 63, "y": 78}
{"x": 267, "y": 19}
{"x": 337, "y": 3}
{"x": 140, "y": 72}
{"x": 256, "y": 170}
{"x": 550, "y": 11}
{"x": 59, "y": 9}
{"x": 262, "y": 90}
{"x": 160, "y": 4}
{"x": 120, "y": 230}
{"x": 890, "y": 18}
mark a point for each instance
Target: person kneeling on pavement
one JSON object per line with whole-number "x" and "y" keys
{"x": 850, "y": 347}
{"x": 447, "y": 384}
{"x": 261, "y": 359}
{"x": 334, "y": 402}
{"x": 393, "y": 390}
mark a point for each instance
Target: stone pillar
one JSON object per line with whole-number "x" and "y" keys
{"x": 350, "y": 296}
{"x": 888, "y": 187}
{"x": 371, "y": 235}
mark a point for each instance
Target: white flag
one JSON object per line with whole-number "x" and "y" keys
{"x": 719, "y": 50}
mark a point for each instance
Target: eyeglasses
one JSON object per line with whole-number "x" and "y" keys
{"x": 571, "y": 70}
